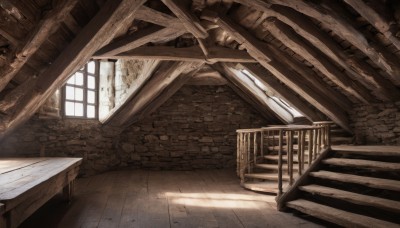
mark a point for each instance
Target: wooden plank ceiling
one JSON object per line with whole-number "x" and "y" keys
{"x": 321, "y": 56}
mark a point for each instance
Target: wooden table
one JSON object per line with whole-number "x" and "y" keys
{"x": 27, "y": 183}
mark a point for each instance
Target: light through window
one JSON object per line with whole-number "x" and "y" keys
{"x": 80, "y": 92}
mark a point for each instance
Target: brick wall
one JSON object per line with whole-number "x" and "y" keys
{"x": 194, "y": 129}
{"x": 377, "y": 123}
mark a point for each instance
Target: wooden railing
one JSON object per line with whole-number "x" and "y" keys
{"x": 292, "y": 142}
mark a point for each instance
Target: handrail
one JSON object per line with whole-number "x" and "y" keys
{"x": 295, "y": 142}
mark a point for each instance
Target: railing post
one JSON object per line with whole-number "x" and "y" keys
{"x": 280, "y": 190}
{"x": 248, "y": 153}
{"x": 238, "y": 154}
{"x": 290, "y": 159}
{"x": 310, "y": 146}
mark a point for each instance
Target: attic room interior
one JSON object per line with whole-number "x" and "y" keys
{"x": 199, "y": 113}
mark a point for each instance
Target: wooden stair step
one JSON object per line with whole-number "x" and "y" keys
{"x": 368, "y": 150}
{"x": 337, "y": 216}
{"x": 273, "y": 166}
{"x": 266, "y": 176}
{"x": 372, "y": 182}
{"x": 389, "y": 205}
{"x": 364, "y": 164}
{"x": 284, "y": 158}
{"x": 265, "y": 186}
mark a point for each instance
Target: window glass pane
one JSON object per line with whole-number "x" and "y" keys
{"x": 78, "y": 109}
{"x": 79, "y": 78}
{"x": 91, "y": 82}
{"x": 78, "y": 94}
{"x": 69, "y": 93}
{"x": 90, "y": 111}
{"x": 91, "y": 67}
{"x": 69, "y": 108}
{"x": 71, "y": 80}
{"x": 91, "y": 97}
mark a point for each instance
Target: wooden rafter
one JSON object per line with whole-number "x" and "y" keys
{"x": 194, "y": 53}
{"x": 282, "y": 91}
{"x": 98, "y": 31}
{"x": 305, "y": 27}
{"x": 248, "y": 86}
{"x": 381, "y": 57}
{"x": 134, "y": 88}
{"x": 159, "y": 81}
{"x": 151, "y": 34}
{"x": 190, "y": 21}
{"x": 165, "y": 94}
{"x": 287, "y": 75}
{"x": 147, "y": 14}
{"x": 45, "y": 28}
{"x": 290, "y": 39}
{"x": 387, "y": 28}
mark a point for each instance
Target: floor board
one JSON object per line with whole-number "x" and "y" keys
{"x": 137, "y": 198}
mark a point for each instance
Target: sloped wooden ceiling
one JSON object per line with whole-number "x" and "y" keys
{"x": 321, "y": 56}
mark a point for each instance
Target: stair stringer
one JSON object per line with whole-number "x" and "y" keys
{"x": 293, "y": 191}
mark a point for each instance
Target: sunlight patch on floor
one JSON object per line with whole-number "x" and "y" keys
{"x": 218, "y": 200}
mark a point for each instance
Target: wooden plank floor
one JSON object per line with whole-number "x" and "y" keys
{"x": 135, "y": 198}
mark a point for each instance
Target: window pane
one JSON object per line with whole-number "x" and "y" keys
{"x": 90, "y": 111}
{"x": 78, "y": 94}
{"x": 91, "y": 97}
{"x": 69, "y": 108}
{"x": 91, "y": 82}
{"x": 78, "y": 109}
{"x": 71, "y": 80}
{"x": 69, "y": 93}
{"x": 79, "y": 78}
{"x": 91, "y": 67}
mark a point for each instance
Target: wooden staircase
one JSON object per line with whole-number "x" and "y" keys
{"x": 352, "y": 186}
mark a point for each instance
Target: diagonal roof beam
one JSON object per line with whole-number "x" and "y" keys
{"x": 134, "y": 88}
{"x": 265, "y": 77}
{"x": 290, "y": 39}
{"x": 190, "y": 21}
{"x": 194, "y": 53}
{"x": 247, "y": 86}
{"x": 387, "y": 28}
{"x": 45, "y": 28}
{"x": 137, "y": 39}
{"x": 148, "y": 14}
{"x": 159, "y": 81}
{"x": 167, "y": 93}
{"x": 287, "y": 75}
{"x": 98, "y": 31}
{"x": 381, "y": 57}
{"x": 305, "y": 27}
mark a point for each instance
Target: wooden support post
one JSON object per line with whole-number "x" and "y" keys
{"x": 290, "y": 160}
{"x": 280, "y": 162}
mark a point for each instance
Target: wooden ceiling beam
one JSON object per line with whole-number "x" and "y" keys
{"x": 265, "y": 77}
{"x": 305, "y": 27}
{"x": 137, "y": 39}
{"x": 98, "y": 31}
{"x": 134, "y": 88}
{"x": 194, "y": 53}
{"x": 45, "y": 28}
{"x": 386, "y": 27}
{"x": 323, "y": 13}
{"x": 247, "y": 85}
{"x": 291, "y": 40}
{"x": 165, "y": 94}
{"x": 190, "y": 21}
{"x": 266, "y": 57}
{"x": 159, "y": 81}
{"x": 148, "y": 14}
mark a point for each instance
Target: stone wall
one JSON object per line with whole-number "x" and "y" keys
{"x": 194, "y": 129}
{"x": 377, "y": 123}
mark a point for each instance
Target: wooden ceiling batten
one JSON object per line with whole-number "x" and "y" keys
{"x": 98, "y": 31}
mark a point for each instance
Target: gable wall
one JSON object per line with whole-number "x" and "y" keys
{"x": 194, "y": 129}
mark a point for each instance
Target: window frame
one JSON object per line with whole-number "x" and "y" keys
{"x": 84, "y": 102}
